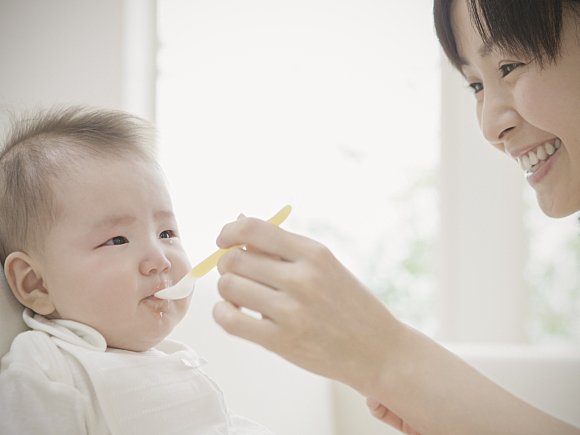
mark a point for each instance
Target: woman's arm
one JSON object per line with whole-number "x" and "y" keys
{"x": 317, "y": 315}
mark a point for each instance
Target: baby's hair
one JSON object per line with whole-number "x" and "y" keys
{"x": 41, "y": 148}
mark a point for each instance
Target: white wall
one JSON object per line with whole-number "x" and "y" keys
{"x": 60, "y": 52}
{"x": 69, "y": 52}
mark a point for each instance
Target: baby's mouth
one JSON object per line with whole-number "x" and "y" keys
{"x": 162, "y": 285}
{"x": 534, "y": 160}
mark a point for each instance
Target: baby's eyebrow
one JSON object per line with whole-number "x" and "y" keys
{"x": 114, "y": 221}
{"x": 164, "y": 214}
{"x": 127, "y": 219}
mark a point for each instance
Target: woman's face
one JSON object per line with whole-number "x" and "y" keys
{"x": 533, "y": 115}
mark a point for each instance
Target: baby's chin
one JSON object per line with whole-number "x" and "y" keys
{"x": 148, "y": 331}
{"x": 136, "y": 344}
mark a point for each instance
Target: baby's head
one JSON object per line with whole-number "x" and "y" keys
{"x": 87, "y": 230}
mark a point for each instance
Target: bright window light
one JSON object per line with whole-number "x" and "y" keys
{"x": 332, "y": 107}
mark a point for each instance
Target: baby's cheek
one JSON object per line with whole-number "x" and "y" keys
{"x": 184, "y": 264}
{"x": 188, "y": 299}
{"x": 182, "y": 305}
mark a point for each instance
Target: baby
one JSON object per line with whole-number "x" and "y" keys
{"x": 87, "y": 236}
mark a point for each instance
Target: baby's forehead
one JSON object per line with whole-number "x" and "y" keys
{"x": 85, "y": 166}
{"x": 110, "y": 182}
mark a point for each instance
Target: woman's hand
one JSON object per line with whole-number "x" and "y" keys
{"x": 315, "y": 313}
{"x": 387, "y": 416}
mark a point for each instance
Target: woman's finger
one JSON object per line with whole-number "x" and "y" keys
{"x": 384, "y": 414}
{"x": 261, "y": 268}
{"x": 257, "y": 251}
{"x": 244, "y": 292}
{"x": 263, "y": 236}
{"x": 235, "y": 322}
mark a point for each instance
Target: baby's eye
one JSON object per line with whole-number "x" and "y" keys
{"x": 167, "y": 234}
{"x": 476, "y": 87}
{"x": 118, "y": 240}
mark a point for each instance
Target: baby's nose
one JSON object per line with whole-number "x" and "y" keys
{"x": 155, "y": 261}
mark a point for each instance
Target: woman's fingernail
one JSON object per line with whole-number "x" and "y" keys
{"x": 372, "y": 403}
{"x": 242, "y": 215}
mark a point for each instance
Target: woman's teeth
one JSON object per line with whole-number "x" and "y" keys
{"x": 534, "y": 160}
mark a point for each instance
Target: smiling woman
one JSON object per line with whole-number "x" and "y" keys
{"x": 513, "y": 69}
{"x": 531, "y": 67}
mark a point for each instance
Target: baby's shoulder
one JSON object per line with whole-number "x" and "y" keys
{"x": 34, "y": 350}
{"x": 30, "y": 343}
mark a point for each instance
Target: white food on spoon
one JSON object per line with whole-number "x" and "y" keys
{"x": 180, "y": 290}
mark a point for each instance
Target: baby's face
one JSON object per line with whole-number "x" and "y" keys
{"x": 114, "y": 245}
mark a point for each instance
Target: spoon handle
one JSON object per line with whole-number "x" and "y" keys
{"x": 210, "y": 262}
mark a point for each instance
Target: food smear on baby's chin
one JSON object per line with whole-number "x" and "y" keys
{"x": 158, "y": 307}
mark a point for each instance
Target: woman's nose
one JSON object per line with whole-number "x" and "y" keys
{"x": 498, "y": 116}
{"x": 154, "y": 261}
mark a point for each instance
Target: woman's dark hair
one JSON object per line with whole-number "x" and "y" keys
{"x": 528, "y": 28}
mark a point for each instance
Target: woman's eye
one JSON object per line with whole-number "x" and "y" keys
{"x": 476, "y": 87}
{"x": 118, "y": 240}
{"x": 167, "y": 234}
{"x": 508, "y": 68}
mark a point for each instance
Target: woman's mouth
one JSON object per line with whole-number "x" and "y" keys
{"x": 534, "y": 160}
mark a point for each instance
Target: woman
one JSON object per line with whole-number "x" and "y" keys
{"x": 522, "y": 61}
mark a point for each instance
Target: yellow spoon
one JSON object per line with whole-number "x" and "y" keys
{"x": 185, "y": 286}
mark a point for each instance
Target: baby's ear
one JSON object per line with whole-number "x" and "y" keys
{"x": 26, "y": 283}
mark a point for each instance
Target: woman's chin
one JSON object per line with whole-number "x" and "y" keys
{"x": 554, "y": 209}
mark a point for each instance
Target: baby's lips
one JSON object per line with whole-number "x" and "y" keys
{"x": 162, "y": 285}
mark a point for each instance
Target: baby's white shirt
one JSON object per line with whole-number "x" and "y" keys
{"x": 60, "y": 378}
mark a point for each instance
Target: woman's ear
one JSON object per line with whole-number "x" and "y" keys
{"x": 26, "y": 283}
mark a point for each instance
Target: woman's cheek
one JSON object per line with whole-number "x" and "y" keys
{"x": 539, "y": 104}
